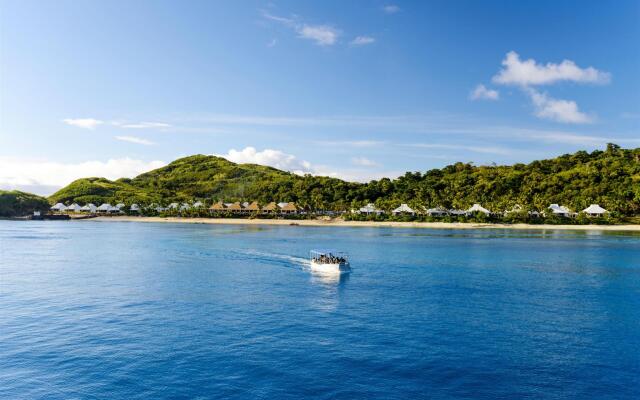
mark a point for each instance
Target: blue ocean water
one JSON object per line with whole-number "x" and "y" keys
{"x": 118, "y": 310}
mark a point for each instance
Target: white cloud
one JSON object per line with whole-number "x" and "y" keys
{"x": 45, "y": 177}
{"x": 85, "y": 123}
{"x": 482, "y": 93}
{"x": 362, "y": 40}
{"x": 475, "y": 149}
{"x": 391, "y": 9}
{"x": 363, "y": 162}
{"x": 269, "y": 157}
{"x": 322, "y": 35}
{"x": 134, "y": 139}
{"x": 528, "y": 72}
{"x": 141, "y": 125}
{"x": 565, "y": 111}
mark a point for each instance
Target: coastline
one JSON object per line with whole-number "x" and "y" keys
{"x": 366, "y": 224}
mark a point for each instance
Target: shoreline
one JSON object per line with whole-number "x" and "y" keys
{"x": 364, "y": 224}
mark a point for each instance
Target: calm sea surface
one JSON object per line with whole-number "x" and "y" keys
{"x": 92, "y": 310}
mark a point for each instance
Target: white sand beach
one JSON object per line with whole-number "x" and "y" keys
{"x": 342, "y": 223}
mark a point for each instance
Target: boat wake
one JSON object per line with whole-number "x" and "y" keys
{"x": 275, "y": 258}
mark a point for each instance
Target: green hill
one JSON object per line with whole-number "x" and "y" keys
{"x": 17, "y": 204}
{"x": 610, "y": 178}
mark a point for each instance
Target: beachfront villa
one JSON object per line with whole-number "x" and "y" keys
{"x": 104, "y": 208}
{"x": 270, "y": 208}
{"x": 404, "y": 209}
{"x": 436, "y": 212}
{"x": 89, "y": 207}
{"x": 253, "y": 207}
{"x": 75, "y": 207}
{"x": 560, "y": 211}
{"x": 370, "y": 209}
{"x": 198, "y": 204}
{"x": 478, "y": 208}
{"x": 288, "y": 208}
{"x": 217, "y": 207}
{"x": 134, "y": 208}
{"x": 58, "y": 207}
{"x": 594, "y": 210}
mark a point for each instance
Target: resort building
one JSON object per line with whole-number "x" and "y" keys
{"x": 288, "y": 208}
{"x": 218, "y": 207}
{"x": 253, "y": 207}
{"x": 173, "y": 206}
{"x": 75, "y": 207}
{"x": 104, "y": 208}
{"x": 270, "y": 208}
{"x": 436, "y": 212}
{"x": 404, "y": 209}
{"x": 198, "y": 204}
{"x": 90, "y": 208}
{"x": 59, "y": 207}
{"x": 184, "y": 207}
{"x": 370, "y": 209}
{"x": 594, "y": 210}
{"x": 120, "y": 206}
{"x": 457, "y": 213}
{"x": 560, "y": 211}
{"x": 134, "y": 208}
{"x": 478, "y": 208}
{"x": 235, "y": 208}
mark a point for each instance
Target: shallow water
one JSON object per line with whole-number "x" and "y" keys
{"x": 140, "y": 310}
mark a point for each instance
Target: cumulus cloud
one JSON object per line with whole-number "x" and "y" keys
{"x": 565, "y": 111}
{"x": 269, "y": 157}
{"x": 85, "y": 123}
{"x": 45, "y": 177}
{"x": 482, "y": 93}
{"x": 362, "y": 40}
{"x": 529, "y": 72}
{"x": 134, "y": 139}
{"x": 322, "y": 35}
{"x": 391, "y": 9}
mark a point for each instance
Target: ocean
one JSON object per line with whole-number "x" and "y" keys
{"x": 126, "y": 310}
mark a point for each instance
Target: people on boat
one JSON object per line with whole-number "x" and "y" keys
{"x": 329, "y": 259}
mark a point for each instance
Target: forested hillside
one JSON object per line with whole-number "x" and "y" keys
{"x": 17, "y": 204}
{"x": 610, "y": 178}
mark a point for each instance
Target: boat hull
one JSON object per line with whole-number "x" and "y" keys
{"x": 335, "y": 268}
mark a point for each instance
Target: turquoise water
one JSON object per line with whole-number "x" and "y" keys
{"x": 131, "y": 310}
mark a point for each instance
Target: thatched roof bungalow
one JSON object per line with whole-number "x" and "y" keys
{"x": 288, "y": 208}
{"x": 253, "y": 207}
{"x": 270, "y": 208}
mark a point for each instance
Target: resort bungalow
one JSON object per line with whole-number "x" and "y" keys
{"x": 254, "y": 207}
{"x": 404, "y": 209}
{"x": 561, "y": 211}
{"x": 173, "y": 206}
{"x": 184, "y": 207}
{"x": 436, "y": 212}
{"x": 217, "y": 207}
{"x": 198, "y": 204}
{"x": 288, "y": 208}
{"x": 594, "y": 210}
{"x": 457, "y": 213}
{"x": 90, "y": 208}
{"x": 59, "y": 207}
{"x": 134, "y": 208}
{"x": 370, "y": 209}
{"x": 120, "y": 206}
{"x": 75, "y": 207}
{"x": 235, "y": 208}
{"x": 104, "y": 208}
{"x": 270, "y": 208}
{"x": 478, "y": 208}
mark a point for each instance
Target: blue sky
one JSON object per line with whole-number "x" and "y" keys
{"x": 357, "y": 90}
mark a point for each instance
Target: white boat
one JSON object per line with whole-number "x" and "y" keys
{"x": 330, "y": 262}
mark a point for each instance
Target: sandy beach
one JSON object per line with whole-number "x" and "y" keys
{"x": 342, "y": 223}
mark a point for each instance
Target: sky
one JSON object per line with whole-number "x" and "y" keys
{"x": 357, "y": 90}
